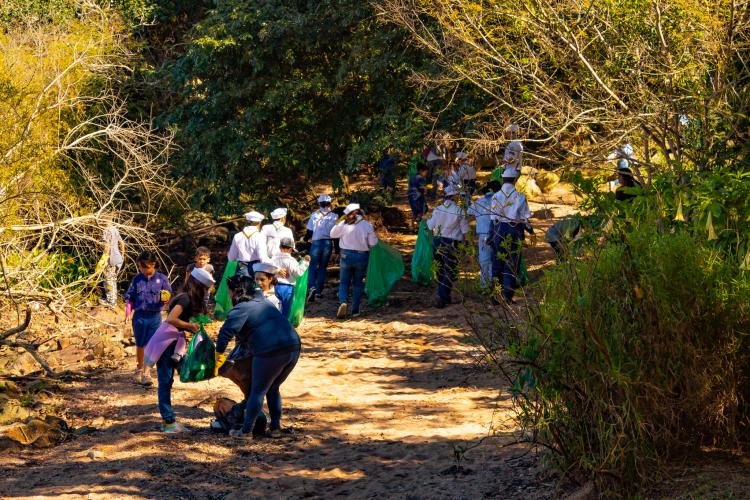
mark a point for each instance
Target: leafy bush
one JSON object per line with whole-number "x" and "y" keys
{"x": 635, "y": 354}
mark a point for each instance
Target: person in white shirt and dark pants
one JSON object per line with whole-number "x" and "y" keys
{"x": 249, "y": 246}
{"x": 481, "y": 210}
{"x": 356, "y": 236}
{"x": 510, "y": 217}
{"x": 449, "y": 225}
{"x": 319, "y": 231}
{"x": 277, "y": 231}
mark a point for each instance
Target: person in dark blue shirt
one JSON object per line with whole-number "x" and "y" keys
{"x": 386, "y": 166}
{"x": 416, "y": 192}
{"x": 258, "y": 326}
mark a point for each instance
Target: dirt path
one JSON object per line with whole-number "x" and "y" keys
{"x": 381, "y": 407}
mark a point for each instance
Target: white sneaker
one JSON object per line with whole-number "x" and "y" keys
{"x": 341, "y": 313}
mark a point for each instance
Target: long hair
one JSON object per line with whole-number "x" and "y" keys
{"x": 243, "y": 288}
{"x": 196, "y": 292}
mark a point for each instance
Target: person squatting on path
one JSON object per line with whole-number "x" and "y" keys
{"x": 289, "y": 270}
{"x": 417, "y": 191}
{"x": 449, "y": 225}
{"x": 277, "y": 231}
{"x": 510, "y": 216}
{"x": 319, "y": 231}
{"x": 257, "y": 325}
{"x": 481, "y": 210}
{"x": 249, "y": 245}
{"x": 356, "y": 237}
{"x": 114, "y": 249}
{"x": 147, "y": 294}
{"x": 191, "y": 302}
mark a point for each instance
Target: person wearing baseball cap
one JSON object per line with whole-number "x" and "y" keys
{"x": 449, "y": 225}
{"x": 356, "y": 238}
{"x": 289, "y": 271}
{"x": 319, "y": 233}
{"x": 183, "y": 306}
{"x": 276, "y": 231}
{"x": 249, "y": 245}
{"x": 510, "y": 217}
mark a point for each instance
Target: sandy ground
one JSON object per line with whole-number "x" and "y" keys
{"x": 381, "y": 406}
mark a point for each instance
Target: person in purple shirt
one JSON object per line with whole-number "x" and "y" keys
{"x": 146, "y": 296}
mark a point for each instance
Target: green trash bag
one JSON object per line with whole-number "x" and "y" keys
{"x": 421, "y": 260}
{"x": 384, "y": 268}
{"x": 223, "y": 300}
{"x": 496, "y": 175}
{"x": 297, "y": 309}
{"x": 198, "y": 363}
{"x": 523, "y": 272}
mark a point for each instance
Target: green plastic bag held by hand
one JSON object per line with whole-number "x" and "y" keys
{"x": 223, "y": 300}
{"x": 297, "y": 309}
{"x": 384, "y": 268}
{"x": 421, "y": 260}
{"x": 198, "y": 363}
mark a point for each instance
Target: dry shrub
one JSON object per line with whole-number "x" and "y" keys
{"x": 633, "y": 356}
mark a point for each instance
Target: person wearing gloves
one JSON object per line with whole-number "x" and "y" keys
{"x": 319, "y": 232}
{"x": 249, "y": 245}
{"x": 449, "y": 225}
{"x": 275, "y": 232}
{"x": 510, "y": 217}
{"x": 481, "y": 210}
{"x": 191, "y": 302}
{"x": 356, "y": 236}
{"x": 289, "y": 270}
{"x": 260, "y": 329}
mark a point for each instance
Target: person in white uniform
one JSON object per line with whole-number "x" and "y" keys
{"x": 510, "y": 217}
{"x": 449, "y": 225}
{"x": 356, "y": 237}
{"x": 319, "y": 233}
{"x": 467, "y": 173}
{"x": 277, "y": 231}
{"x": 289, "y": 270}
{"x": 481, "y": 210}
{"x": 249, "y": 246}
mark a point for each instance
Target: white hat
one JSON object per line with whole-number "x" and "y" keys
{"x": 510, "y": 172}
{"x": 451, "y": 191}
{"x": 623, "y": 165}
{"x": 278, "y": 213}
{"x": 324, "y": 197}
{"x": 627, "y": 149}
{"x": 351, "y": 207}
{"x": 515, "y": 146}
{"x": 254, "y": 216}
{"x": 202, "y": 276}
{"x": 265, "y": 267}
{"x": 461, "y": 155}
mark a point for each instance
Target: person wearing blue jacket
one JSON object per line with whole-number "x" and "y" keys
{"x": 260, "y": 329}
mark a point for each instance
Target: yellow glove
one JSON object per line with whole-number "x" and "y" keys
{"x": 102, "y": 263}
{"x": 219, "y": 360}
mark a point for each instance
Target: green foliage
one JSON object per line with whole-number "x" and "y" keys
{"x": 275, "y": 95}
{"x": 636, "y": 353}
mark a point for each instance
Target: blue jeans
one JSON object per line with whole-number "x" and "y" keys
{"x": 418, "y": 204}
{"x": 145, "y": 323}
{"x": 285, "y": 294}
{"x": 353, "y": 268}
{"x": 485, "y": 259}
{"x": 444, "y": 253}
{"x": 268, "y": 374}
{"x": 165, "y": 376}
{"x": 506, "y": 248}
{"x": 320, "y": 255}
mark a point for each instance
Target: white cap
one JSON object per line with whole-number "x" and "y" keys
{"x": 461, "y": 155}
{"x": 515, "y": 146}
{"x": 202, "y": 276}
{"x": 265, "y": 267}
{"x": 278, "y": 213}
{"x": 623, "y": 165}
{"x": 324, "y": 197}
{"x": 512, "y": 128}
{"x": 351, "y": 207}
{"x": 627, "y": 149}
{"x": 510, "y": 172}
{"x": 254, "y": 216}
{"x": 451, "y": 191}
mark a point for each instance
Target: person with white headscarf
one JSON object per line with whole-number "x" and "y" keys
{"x": 276, "y": 231}
{"x": 510, "y": 217}
{"x": 319, "y": 233}
{"x": 356, "y": 237}
{"x": 249, "y": 246}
